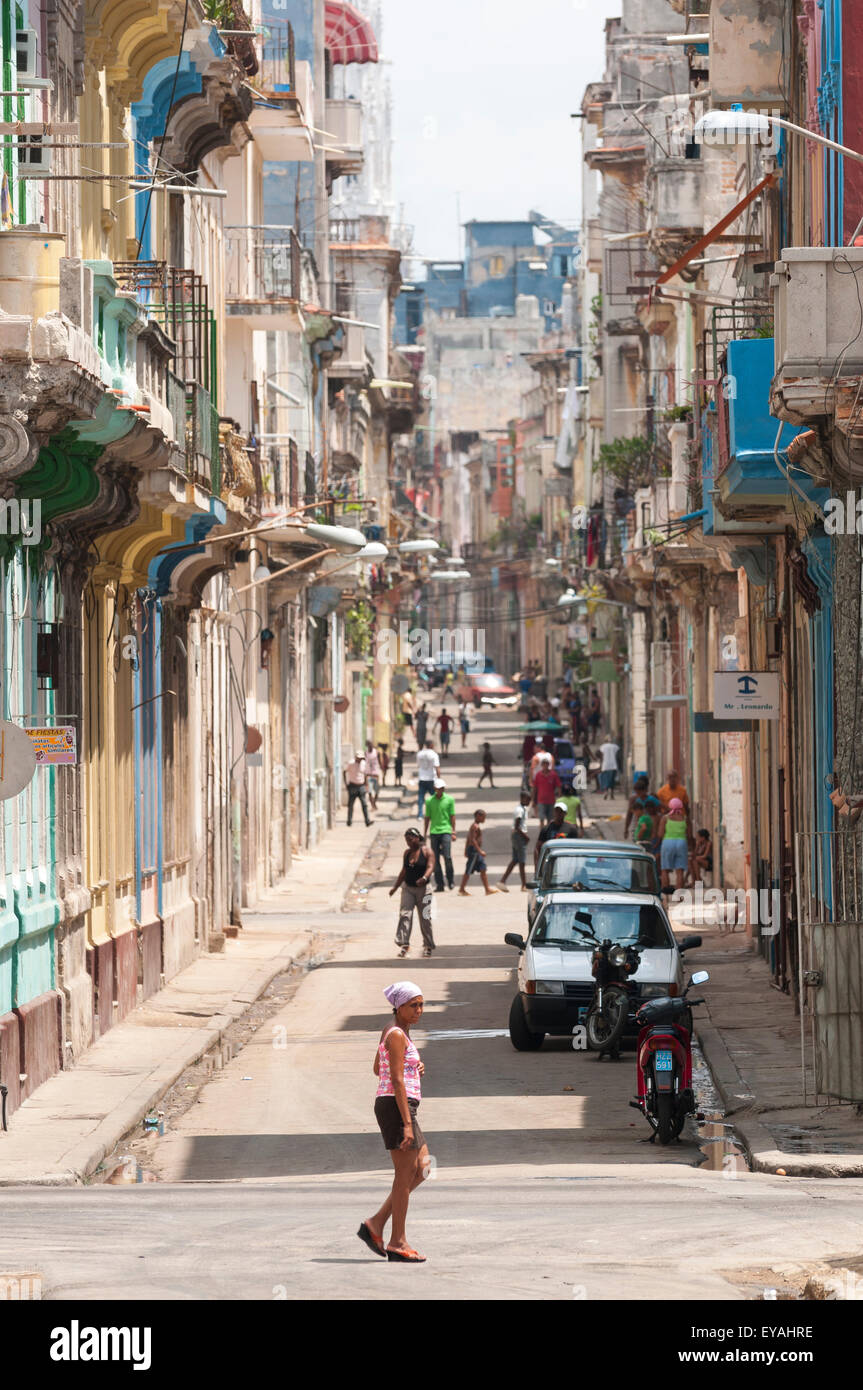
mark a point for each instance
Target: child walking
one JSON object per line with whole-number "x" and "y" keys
{"x": 399, "y": 761}
{"x": 487, "y": 761}
{"x": 475, "y": 858}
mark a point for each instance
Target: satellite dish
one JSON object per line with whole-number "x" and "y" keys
{"x": 17, "y": 759}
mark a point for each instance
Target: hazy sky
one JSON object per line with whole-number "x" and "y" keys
{"x": 483, "y": 91}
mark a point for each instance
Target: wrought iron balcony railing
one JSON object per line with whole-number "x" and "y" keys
{"x": 262, "y": 263}
{"x": 178, "y": 300}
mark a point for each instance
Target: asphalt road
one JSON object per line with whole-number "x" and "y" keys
{"x": 543, "y": 1187}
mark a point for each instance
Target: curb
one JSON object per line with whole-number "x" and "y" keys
{"x": 84, "y": 1158}
{"x": 761, "y": 1152}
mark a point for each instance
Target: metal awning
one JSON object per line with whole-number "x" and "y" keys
{"x": 348, "y": 35}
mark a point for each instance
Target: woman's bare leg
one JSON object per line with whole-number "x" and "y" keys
{"x": 405, "y": 1164}
{"x": 377, "y": 1222}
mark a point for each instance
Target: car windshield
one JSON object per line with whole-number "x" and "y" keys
{"x": 488, "y": 679}
{"x": 563, "y": 750}
{"x": 641, "y": 924}
{"x": 636, "y": 875}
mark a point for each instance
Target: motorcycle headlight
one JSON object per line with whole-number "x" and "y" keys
{"x": 655, "y": 991}
{"x": 549, "y": 986}
{"x": 617, "y": 955}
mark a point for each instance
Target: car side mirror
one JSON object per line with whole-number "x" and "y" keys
{"x": 512, "y": 938}
{"x": 689, "y": 943}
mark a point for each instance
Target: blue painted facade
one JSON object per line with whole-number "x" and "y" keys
{"x": 751, "y": 474}
{"x": 495, "y": 271}
{"x": 165, "y": 87}
{"x": 29, "y": 906}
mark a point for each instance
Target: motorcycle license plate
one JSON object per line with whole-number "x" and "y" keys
{"x": 662, "y": 1061}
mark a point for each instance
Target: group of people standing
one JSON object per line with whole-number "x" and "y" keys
{"x": 662, "y": 823}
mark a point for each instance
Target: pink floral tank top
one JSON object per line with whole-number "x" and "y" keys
{"x": 411, "y": 1068}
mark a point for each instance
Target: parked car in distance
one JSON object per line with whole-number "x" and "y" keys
{"x": 595, "y": 865}
{"x": 555, "y": 985}
{"x": 487, "y": 688}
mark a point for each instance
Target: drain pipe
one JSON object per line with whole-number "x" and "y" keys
{"x": 4, "y": 1091}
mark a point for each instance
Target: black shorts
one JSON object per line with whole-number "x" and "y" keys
{"x": 389, "y": 1120}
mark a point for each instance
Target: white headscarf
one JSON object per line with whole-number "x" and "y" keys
{"x": 401, "y": 992}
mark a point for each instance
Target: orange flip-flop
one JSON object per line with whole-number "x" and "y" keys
{"x": 407, "y": 1257}
{"x": 368, "y": 1237}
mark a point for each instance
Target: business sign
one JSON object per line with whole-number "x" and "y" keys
{"x": 54, "y": 746}
{"x": 746, "y": 694}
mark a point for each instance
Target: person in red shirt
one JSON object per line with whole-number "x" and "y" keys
{"x": 547, "y": 787}
{"x": 445, "y": 723}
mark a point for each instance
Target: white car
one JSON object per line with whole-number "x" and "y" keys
{"x": 555, "y": 986}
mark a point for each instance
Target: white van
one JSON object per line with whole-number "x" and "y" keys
{"x": 555, "y": 986}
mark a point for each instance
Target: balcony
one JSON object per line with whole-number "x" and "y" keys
{"x": 745, "y": 489}
{"x": 343, "y": 139}
{"x": 629, "y": 268}
{"x": 365, "y": 231}
{"x": 181, "y": 326}
{"x": 178, "y": 300}
{"x": 262, "y": 276}
{"x": 674, "y": 191}
{"x": 353, "y": 364}
{"x": 282, "y": 129}
{"x": 203, "y": 463}
{"x": 818, "y": 361}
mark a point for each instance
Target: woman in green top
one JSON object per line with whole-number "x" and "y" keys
{"x": 573, "y": 810}
{"x": 674, "y": 852}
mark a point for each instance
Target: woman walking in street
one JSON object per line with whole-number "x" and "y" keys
{"x": 373, "y": 772}
{"x": 487, "y": 763}
{"x": 418, "y": 865}
{"x": 463, "y": 723}
{"x": 398, "y": 1068}
{"x": 672, "y": 832}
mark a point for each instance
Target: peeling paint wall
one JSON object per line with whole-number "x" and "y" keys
{"x": 746, "y": 48}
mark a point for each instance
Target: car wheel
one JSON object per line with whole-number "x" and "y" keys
{"x": 519, "y": 1034}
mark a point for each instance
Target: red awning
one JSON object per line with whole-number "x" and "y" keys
{"x": 349, "y": 37}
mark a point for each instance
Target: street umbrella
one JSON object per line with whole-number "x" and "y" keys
{"x": 541, "y": 726}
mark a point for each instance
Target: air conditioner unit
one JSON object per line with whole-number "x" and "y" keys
{"x": 25, "y": 61}
{"x": 25, "y": 52}
{"x": 34, "y": 160}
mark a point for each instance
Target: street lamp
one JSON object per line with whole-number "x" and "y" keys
{"x": 419, "y": 547}
{"x": 737, "y": 125}
{"x": 344, "y": 538}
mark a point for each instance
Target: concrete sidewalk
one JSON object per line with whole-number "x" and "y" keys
{"x": 750, "y": 1035}
{"x": 61, "y": 1134}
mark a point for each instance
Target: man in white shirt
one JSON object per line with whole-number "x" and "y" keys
{"x": 608, "y": 770}
{"x": 428, "y": 767}
{"x": 355, "y": 780}
{"x": 519, "y": 841}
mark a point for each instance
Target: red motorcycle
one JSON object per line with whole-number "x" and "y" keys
{"x": 664, "y": 1062}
